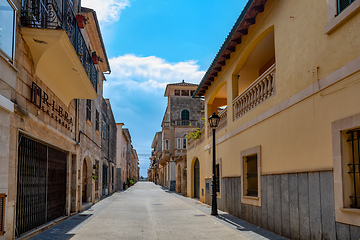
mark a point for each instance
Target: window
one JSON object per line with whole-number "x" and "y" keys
{"x": 104, "y": 130}
{"x": 184, "y": 143}
{"x": 192, "y": 92}
{"x": 178, "y": 143}
{"x": 217, "y": 177}
{"x": 185, "y": 116}
{"x": 340, "y": 12}
{"x": 350, "y": 167}
{"x": 177, "y": 92}
{"x": 7, "y": 28}
{"x": 97, "y": 121}
{"x": 342, "y": 4}
{"x": 184, "y": 92}
{"x": 88, "y": 109}
{"x": 250, "y": 176}
{"x": 166, "y": 144}
{"x": 2, "y": 213}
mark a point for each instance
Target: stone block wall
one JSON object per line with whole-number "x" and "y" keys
{"x": 296, "y": 206}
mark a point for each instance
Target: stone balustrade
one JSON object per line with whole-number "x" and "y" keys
{"x": 260, "y": 90}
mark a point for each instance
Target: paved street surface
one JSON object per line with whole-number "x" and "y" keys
{"x": 147, "y": 211}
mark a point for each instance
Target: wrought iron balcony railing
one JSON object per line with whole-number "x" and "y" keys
{"x": 59, "y": 14}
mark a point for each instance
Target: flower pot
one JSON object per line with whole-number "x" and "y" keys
{"x": 95, "y": 59}
{"x": 80, "y": 20}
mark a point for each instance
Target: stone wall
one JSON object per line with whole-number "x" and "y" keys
{"x": 296, "y": 206}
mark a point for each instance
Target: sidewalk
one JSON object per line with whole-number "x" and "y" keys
{"x": 145, "y": 211}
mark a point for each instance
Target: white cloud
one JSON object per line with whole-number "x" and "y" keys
{"x": 149, "y": 73}
{"x": 108, "y": 10}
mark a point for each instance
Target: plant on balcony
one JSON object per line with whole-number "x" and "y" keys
{"x": 196, "y": 131}
{"x": 27, "y": 17}
{"x": 82, "y": 20}
{"x": 96, "y": 58}
{"x": 94, "y": 176}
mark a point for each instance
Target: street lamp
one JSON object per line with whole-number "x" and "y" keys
{"x": 213, "y": 123}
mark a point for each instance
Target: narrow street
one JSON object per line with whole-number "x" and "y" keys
{"x": 147, "y": 211}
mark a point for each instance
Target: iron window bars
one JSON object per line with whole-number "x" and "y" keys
{"x": 2, "y": 213}
{"x": 251, "y": 176}
{"x": 354, "y": 167}
{"x": 342, "y": 4}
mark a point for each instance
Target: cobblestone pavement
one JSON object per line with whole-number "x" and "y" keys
{"x": 147, "y": 211}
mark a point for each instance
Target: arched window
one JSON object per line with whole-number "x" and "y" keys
{"x": 185, "y": 115}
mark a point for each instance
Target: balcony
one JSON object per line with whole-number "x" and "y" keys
{"x": 61, "y": 57}
{"x": 165, "y": 125}
{"x": 186, "y": 123}
{"x": 259, "y": 91}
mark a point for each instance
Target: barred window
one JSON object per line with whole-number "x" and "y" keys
{"x": 250, "y": 175}
{"x": 351, "y": 167}
{"x": 342, "y": 4}
{"x": 217, "y": 177}
{"x": 97, "y": 121}
{"x": 88, "y": 109}
{"x": 2, "y": 213}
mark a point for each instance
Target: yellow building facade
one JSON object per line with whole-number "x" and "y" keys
{"x": 285, "y": 84}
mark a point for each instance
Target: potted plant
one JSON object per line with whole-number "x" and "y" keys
{"x": 95, "y": 58}
{"x": 82, "y": 20}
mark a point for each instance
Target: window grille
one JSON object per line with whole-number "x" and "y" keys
{"x": 2, "y": 213}
{"x": 342, "y": 4}
{"x": 251, "y": 181}
{"x": 354, "y": 167}
{"x": 97, "y": 121}
{"x": 88, "y": 109}
{"x": 97, "y": 175}
{"x": 177, "y": 92}
{"x": 217, "y": 177}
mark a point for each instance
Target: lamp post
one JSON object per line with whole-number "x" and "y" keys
{"x": 213, "y": 123}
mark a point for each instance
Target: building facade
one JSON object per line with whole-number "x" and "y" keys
{"x": 127, "y": 162}
{"x": 50, "y": 144}
{"x": 287, "y": 78}
{"x": 153, "y": 171}
{"x": 183, "y": 114}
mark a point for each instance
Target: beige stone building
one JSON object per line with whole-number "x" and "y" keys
{"x": 51, "y": 141}
{"x": 183, "y": 114}
{"x": 127, "y": 162}
{"x": 287, "y": 79}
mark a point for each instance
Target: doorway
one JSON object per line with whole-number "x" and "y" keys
{"x": 196, "y": 179}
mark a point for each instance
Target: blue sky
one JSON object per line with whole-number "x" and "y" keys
{"x": 151, "y": 43}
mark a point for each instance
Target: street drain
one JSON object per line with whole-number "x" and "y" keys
{"x": 199, "y": 215}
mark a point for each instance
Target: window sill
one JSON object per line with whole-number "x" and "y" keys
{"x": 89, "y": 122}
{"x": 249, "y": 197}
{"x": 255, "y": 201}
{"x": 351, "y": 210}
{"x": 344, "y": 16}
